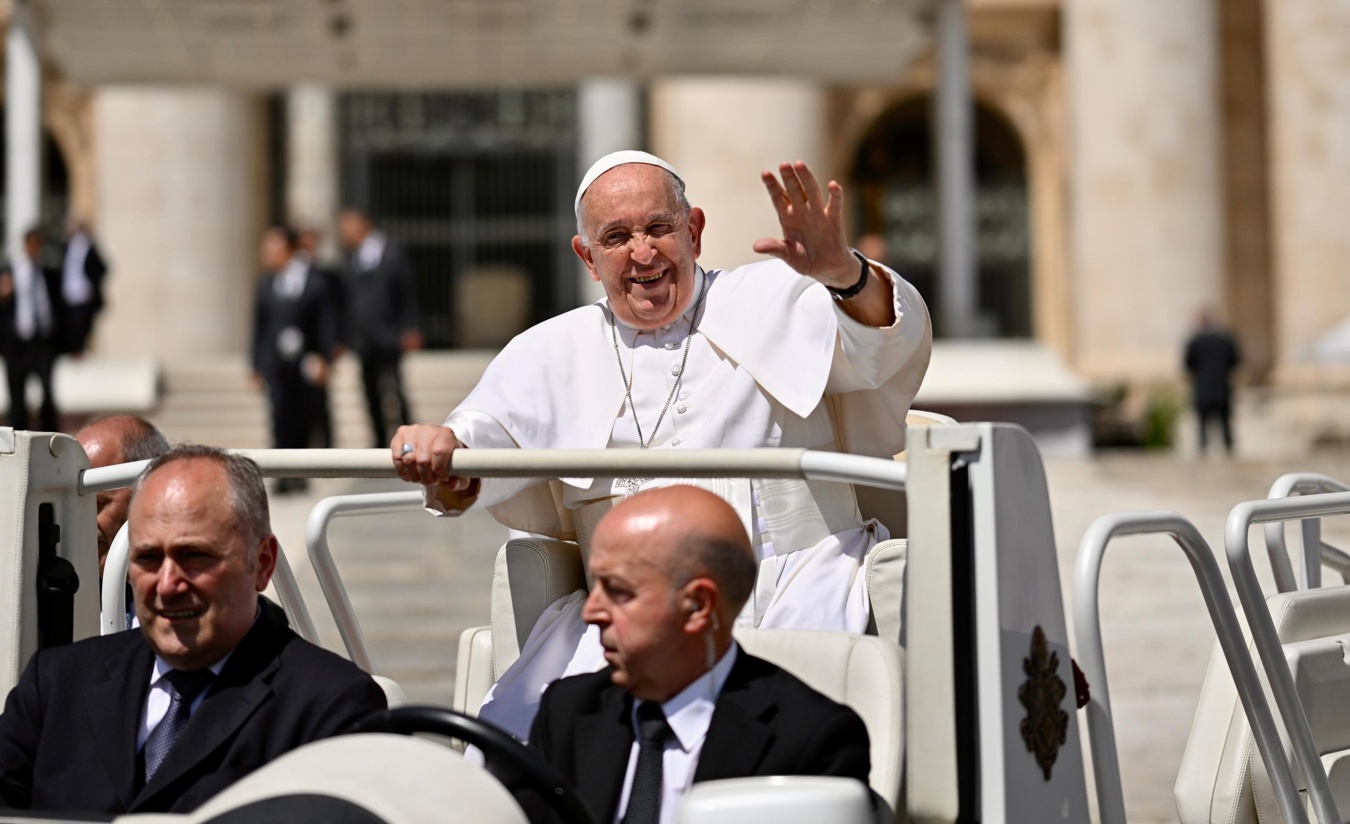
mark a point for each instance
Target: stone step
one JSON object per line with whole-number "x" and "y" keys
{"x": 213, "y": 400}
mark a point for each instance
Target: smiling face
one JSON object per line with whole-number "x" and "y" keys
{"x": 195, "y": 574}
{"x": 640, "y": 244}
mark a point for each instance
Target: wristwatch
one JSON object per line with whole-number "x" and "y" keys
{"x": 845, "y": 294}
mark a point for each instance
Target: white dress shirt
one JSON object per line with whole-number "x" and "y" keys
{"x": 32, "y": 304}
{"x": 74, "y": 282}
{"x": 370, "y": 252}
{"x": 689, "y": 714}
{"x": 158, "y": 700}
{"x": 290, "y": 281}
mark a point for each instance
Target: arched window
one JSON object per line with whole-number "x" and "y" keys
{"x": 55, "y": 184}
{"x": 894, "y": 173}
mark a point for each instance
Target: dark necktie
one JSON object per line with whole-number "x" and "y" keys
{"x": 644, "y": 800}
{"x": 183, "y": 688}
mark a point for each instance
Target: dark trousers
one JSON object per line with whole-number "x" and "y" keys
{"x": 1220, "y": 411}
{"x": 292, "y": 408}
{"x": 31, "y": 357}
{"x": 384, "y": 387}
{"x": 79, "y": 324}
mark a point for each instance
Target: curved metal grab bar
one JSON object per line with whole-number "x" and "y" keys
{"x": 316, "y": 541}
{"x": 113, "y": 594}
{"x": 1263, "y": 627}
{"x": 557, "y": 463}
{"x": 1087, "y": 629}
{"x": 1301, "y": 483}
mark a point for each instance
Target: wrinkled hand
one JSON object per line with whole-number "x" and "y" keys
{"x": 814, "y": 242}
{"x": 429, "y": 461}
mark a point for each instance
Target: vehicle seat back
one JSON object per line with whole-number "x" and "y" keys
{"x": 1222, "y": 778}
{"x": 862, "y": 671}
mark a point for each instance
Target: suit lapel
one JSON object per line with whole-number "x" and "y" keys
{"x": 115, "y": 707}
{"x": 241, "y": 688}
{"x": 603, "y": 742}
{"x": 738, "y": 735}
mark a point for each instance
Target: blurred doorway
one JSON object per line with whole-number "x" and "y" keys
{"x": 893, "y": 174}
{"x": 478, "y": 187}
{"x": 55, "y": 185}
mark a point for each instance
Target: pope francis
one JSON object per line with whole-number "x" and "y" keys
{"x": 818, "y": 348}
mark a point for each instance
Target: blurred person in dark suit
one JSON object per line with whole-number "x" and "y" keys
{"x": 1211, "y": 356}
{"x": 381, "y": 321}
{"x": 309, "y": 241}
{"x": 294, "y": 332}
{"x": 32, "y": 323}
{"x": 82, "y": 272}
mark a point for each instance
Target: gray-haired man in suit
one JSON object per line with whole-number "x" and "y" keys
{"x": 213, "y": 686}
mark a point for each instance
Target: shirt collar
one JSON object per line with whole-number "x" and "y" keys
{"x": 690, "y": 712}
{"x": 371, "y": 250}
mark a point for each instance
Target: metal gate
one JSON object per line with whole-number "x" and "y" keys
{"x": 478, "y": 186}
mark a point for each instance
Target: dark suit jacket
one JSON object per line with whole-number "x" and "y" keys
{"x": 56, "y": 298}
{"x": 767, "y": 722}
{"x": 1211, "y": 356}
{"x": 95, "y": 268}
{"x": 68, "y": 733}
{"x": 313, "y": 312}
{"x": 381, "y": 303}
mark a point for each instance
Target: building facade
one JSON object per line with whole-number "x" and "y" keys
{"x": 1136, "y": 161}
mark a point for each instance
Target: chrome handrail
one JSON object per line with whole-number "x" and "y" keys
{"x": 1091, "y": 658}
{"x": 316, "y": 541}
{"x": 566, "y": 463}
{"x": 1238, "y": 549}
{"x": 1303, "y": 483}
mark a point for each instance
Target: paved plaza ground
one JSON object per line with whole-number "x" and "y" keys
{"x": 418, "y": 581}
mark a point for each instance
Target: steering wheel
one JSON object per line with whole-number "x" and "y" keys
{"x": 509, "y": 761}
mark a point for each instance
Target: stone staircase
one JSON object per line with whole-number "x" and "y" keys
{"x": 211, "y": 400}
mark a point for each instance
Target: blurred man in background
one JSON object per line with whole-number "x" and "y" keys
{"x": 32, "y": 318}
{"x": 310, "y": 241}
{"x": 294, "y": 333}
{"x": 381, "y": 321}
{"x": 1211, "y": 356}
{"x": 82, "y": 272}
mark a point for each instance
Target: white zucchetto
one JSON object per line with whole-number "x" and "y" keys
{"x": 613, "y": 159}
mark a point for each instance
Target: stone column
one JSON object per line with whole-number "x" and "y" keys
{"x": 719, "y": 133}
{"x": 181, "y": 203}
{"x": 1146, "y": 193}
{"x": 954, "y": 135}
{"x": 610, "y": 118}
{"x": 312, "y": 163}
{"x": 1308, "y": 46}
{"x": 23, "y": 129}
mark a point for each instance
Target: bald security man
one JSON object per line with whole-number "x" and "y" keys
{"x": 679, "y": 701}
{"x": 212, "y": 686}
{"x": 109, "y": 441}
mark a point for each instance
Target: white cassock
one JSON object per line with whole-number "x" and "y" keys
{"x": 774, "y": 362}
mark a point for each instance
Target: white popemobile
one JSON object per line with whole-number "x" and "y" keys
{"x": 966, "y": 686}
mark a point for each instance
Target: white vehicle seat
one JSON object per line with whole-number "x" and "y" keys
{"x": 1222, "y": 778}
{"x": 417, "y": 782}
{"x": 394, "y": 695}
{"x": 862, "y": 671}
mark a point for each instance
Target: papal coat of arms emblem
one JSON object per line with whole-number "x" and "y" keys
{"x": 1046, "y": 725}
